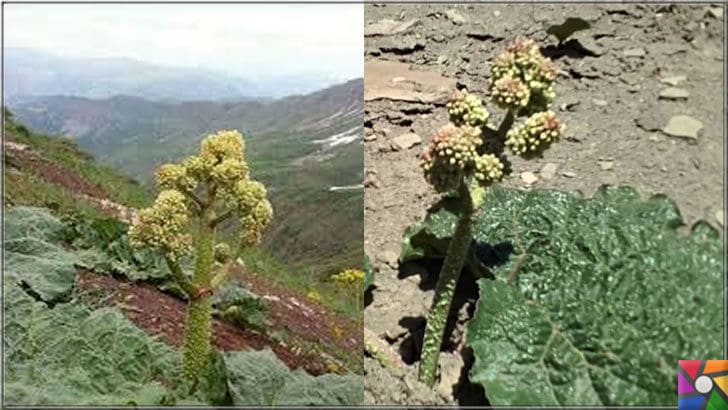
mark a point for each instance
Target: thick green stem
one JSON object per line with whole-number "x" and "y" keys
{"x": 199, "y": 310}
{"x": 457, "y": 252}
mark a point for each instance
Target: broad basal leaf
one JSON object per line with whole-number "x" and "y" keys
{"x": 605, "y": 297}
{"x": 260, "y": 378}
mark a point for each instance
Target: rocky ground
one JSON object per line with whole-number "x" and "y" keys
{"x": 641, "y": 93}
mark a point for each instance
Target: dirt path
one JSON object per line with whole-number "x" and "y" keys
{"x": 608, "y": 97}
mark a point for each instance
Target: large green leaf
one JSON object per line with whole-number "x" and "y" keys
{"x": 260, "y": 378}
{"x": 33, "y": 256}
{"x": 104, "y": 246}
{"x": 71, "y": 355}
{"x": 606, "y": 299}
{"x": 239, "y": 305}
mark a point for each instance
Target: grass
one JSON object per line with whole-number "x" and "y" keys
{"x": 66, "y": 154}
{"x": 29, "y": 190}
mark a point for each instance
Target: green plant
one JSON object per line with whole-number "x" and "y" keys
{"x": 353, "y": 281}
{"x": 197, "y": 195}
{"x": 467, "y": 156}
{"x": 588, "y": 301}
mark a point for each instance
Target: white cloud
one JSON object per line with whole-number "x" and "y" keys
{"x": 243, "y": 39}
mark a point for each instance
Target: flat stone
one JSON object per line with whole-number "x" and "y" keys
{"x": 599, "y": 103}
{"x": 390, "y": 258}
{"x": 673, "y": 80}
{"x": 389, "y": 27}
{"x": 427, "y": 87}
{"x": 529, "y": 178}
{"x": 370, "y": 137}
{"x": 455, "y": 17}
{"x": 406, "y": 141}
{"x": 674, "y": 93}
{"x": 683, "y": 126}
{"x": 634, "y": 52}
{"x": 716, "y": 12}
{"x": 569, "y": 174}
{"x": 548, "y": 171}
{"x": 606, "y": 165}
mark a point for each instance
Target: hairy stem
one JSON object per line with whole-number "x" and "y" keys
{"x": 457, "y": 252}
{"x": 199, "y": 311}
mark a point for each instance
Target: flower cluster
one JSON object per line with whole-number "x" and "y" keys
{"x": 535, "y": 135}
{"x": 255, "y": 222}
{"x": 467, "y": 109}
{"x": 452, "y": 154}
{"x": 349, "y": 276}
{"x": 221, "y": 252}
{"x": 488, "y": 168}
{"x": 163, "y": 226}
{"x": 510, "y": 93}
{"x": 520, "y": 67}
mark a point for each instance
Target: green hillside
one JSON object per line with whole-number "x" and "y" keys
{"x": 51, "y": 171}
{"x": 289, "y": 146}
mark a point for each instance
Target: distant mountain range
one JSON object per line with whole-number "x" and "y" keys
{"x": 299, "y": 146}
{"x": 30, "y": 73}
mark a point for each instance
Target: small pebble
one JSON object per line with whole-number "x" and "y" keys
{"x": 529, "y": 178}
{"x": 569, "y": 174}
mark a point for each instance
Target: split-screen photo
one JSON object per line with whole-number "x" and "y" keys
{"x": 342, "y": 204}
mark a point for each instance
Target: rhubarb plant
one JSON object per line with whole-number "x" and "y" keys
{"x": 467, "y": 156}
{"x": 196, "y": 197}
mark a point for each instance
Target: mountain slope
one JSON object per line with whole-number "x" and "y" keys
{"x": 30, "y": 73}
{"x": 56, "y": 173}
{"x": 300, "y": 147}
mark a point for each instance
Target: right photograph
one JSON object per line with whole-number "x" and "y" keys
{"x": 544, "y": 205}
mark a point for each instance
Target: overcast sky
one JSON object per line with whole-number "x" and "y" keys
{"x": 240, "y": 39}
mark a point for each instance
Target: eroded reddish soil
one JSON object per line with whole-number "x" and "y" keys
{"x": 163, "y": 315}
{"x": 291, "y": 311}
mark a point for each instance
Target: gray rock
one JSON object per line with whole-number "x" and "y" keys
{"x": 451, "y": 365}
{"x": 548, "y": 171}
{"x": 716, "y": 12}
{"x": 634, "y": 52}
{"x": 390, "y": 258}
{"x": 599, "y": 103}
{"x": 673, "y": 80}
{"x": 406, "y": 141}
{"x": 529, "y": 178}
{"x": 569, "y": 174}
{"x": 455, "y": 17}
{"x": 389, "y": 27}
{"x": 683, "y": 126}
{"x": 674, "y": 93}
{"x": 606, "y": 165}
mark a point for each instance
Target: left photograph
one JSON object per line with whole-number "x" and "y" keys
{"x": 182, "y": 204}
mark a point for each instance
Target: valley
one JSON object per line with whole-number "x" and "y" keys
{"x": 303, "y": 147}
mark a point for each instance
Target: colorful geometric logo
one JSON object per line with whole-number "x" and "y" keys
{"x": 702, "y": 385}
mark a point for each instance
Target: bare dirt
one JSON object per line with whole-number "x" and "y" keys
{"x": 305, "y": 319}
{"x": 609, "y": 97}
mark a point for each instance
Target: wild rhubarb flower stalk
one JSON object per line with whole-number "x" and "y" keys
{"x": 197, "y": 195}
{"x": 467, "y": 156}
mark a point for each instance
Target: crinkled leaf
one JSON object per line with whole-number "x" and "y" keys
{"x": 260, "y": 378}
{"x": 241, "y": 306}
{"x": 104, "y": 246}
{"x": 607, "y": 299}
{"x": 70, "y": 355}
{"x": 33, "y": 255}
